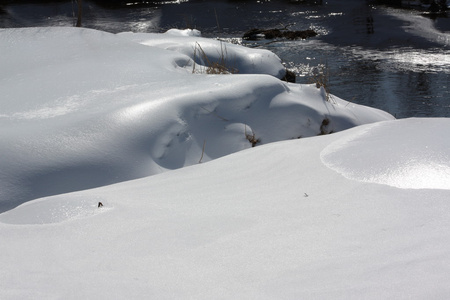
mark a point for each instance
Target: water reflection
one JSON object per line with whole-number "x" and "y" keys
{"x": 380, "y": 79}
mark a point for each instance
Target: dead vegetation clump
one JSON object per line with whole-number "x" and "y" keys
{"x": 251, "y": 137}
{"x": 220, "y": 66}
{"x": 324, "y": 127}
{"x": 321, "y": 78}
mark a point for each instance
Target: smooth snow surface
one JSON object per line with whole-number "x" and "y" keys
{"x": 420, "y": 157}
{"x": 271, "y": 222}
{"x": 46, "y": 211}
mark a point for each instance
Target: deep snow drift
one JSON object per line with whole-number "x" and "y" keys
{"x": 357, "y": 214}
{"x": 82, "y": 108}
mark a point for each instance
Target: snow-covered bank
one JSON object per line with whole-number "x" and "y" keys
{"x": 82, "y": 108}
{"x": 357, "y": 214}
{"x": 273, "y": 222}
{"x": 420, "y": 161}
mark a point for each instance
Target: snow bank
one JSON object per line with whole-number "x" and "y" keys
{"x": 235, "y": 57}
{"x": 82, "y": 108}
{"x": 420, "y": 161}
{"x": 272, "y": 222}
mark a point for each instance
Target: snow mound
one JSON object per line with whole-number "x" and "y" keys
{"x": 184, "y": 32}
{"x": 49, "y": 210}
{"x": 416, "y": 158}
{"x": 85, "y": 108}
{"x": 205, "y": 51}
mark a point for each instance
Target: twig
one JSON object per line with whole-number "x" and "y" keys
{"x": 251, "y": 137}
{"x": 212, "y": 112}
{"x": 217, "y": 20}
{"x": 203, "y": 151}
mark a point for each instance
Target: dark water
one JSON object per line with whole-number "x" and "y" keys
{"x": 394, "y": 59}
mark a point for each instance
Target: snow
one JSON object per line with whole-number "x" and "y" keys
{"x": 188, "y": 42}
{"x": 87, "y": 117}
{"x": 102, "y": 109}
{"x": 424, "y": 28}
{"x": 403, "y": 165}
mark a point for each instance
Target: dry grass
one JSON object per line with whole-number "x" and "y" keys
{"x": 221, "y": 66}
{"x": 324, "y": 127}
{"x": 251, "y": 137}
{"x": 321, "y": 77}
{"x": 203, "y": 152}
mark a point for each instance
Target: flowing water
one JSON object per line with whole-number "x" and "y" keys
{"x": 394, "y": 59}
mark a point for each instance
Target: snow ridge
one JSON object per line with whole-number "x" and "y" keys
{"x": 84, "y": 108}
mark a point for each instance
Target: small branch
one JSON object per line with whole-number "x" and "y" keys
{"x": 80, "y": 12}
{"x": 286, "y": 27}
{"x": 211, "y": 112}
{"x": 203, "y": 151}
{"x": 217, "y": 20}
{"x": 251, "y": 137}
{"x": 195, "y": 56}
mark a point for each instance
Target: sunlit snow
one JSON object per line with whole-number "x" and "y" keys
{"x": 359, "y": 212}
{"x": 418, "y": 159}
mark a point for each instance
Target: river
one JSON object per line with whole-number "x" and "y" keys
{"x": 394, "y": 59}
